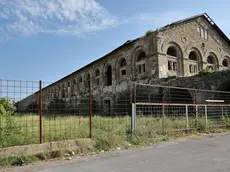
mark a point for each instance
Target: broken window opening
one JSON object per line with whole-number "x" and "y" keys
{"x": 195, "y": 69}
{"x": 211, "y": 60}
{"x": 169, "y": 65}
{"x": 143, "y": 68}
{"x": 141, "y": 62}
{"x": 80, "y": 79}
{"x": 109, "y": 76}
{"x": 122, "y": 65}
{"x": 225, "y": 63}
{"x": 193, "y": 56}
{"x": 174, "y": 66}
{"x": 123, "y": 72}
{"x": 139, "y": 69}
{"x": 191, "y": 68}
{"x": 141, "y": 56}
{"x": 97, "y": 75}
{"x": 122, "y": 62}
{"x": 172, "y": 51}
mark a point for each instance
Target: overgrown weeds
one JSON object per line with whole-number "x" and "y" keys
{"x": 17, "y": 160}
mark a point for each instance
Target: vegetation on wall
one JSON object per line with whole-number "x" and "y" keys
{"x": 149, "y": 32}
{"x": 205, "y": 72}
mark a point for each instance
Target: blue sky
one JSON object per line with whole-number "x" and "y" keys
{"x": 48, "y": 39}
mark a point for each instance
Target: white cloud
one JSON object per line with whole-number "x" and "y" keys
{"x": 64, "y": 17}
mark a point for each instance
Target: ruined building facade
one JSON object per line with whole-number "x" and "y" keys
{"x": 182, "y": 48}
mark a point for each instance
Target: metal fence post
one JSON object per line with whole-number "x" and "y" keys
{"x": 206, "y": 117}
{"x": 222, "y": 113}
{"x": 186, "y": 111}
{"x": 196, "y": 120}
{"x": 133, "y": 118}
{"x": 135, "y": 93}
{"x": 222, "y": 110}
{"x": 40, "y": 110}
{"x": 90, "y": 112}
{"x": 163, "y": 118}
{"x": 131, "y": 104}
{"x": 197, "y": 117}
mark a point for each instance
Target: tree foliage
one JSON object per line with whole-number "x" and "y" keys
{"x": 6, "y": 107}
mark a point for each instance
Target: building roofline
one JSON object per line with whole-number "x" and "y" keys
{"x": 207, "y": 18}
{"x": 128, "y": 42}
{"x": 203, "y": 15}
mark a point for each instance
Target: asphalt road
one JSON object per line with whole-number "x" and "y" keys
{"x": 202, "y": 154}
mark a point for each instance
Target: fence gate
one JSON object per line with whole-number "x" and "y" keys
{"x": 160, "y": 109}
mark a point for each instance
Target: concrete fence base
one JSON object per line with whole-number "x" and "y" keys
{"x": 45, "y": 147}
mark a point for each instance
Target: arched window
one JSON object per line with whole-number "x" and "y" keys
{"x": 80, "y": 79}
{"x": 172, "y": 51}
{"x": 172, "y": 65}
{"x": 73, "y": 86}
{"x": 141, "y": 56}
{"x": 225, "y": 63}
{"x": 97, "y": 76}
{"x": 212, "y": 62}
{"x": 122, "y": 62}
{"x": 63, "y": 91}
{"x": 195, "y": 64}
{"x": 175, "y": 60}
{"x": 141, "y": 62}
{"x": 88, "y": 83}
{"x": 108, "y": 74}
{"x": 192, "y": 56}
{"x": 122, "y": 67}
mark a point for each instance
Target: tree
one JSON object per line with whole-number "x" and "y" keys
{"x": 6, "y": 107}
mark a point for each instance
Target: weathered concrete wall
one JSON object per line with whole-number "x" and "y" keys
{"x": 214, "y": 81}
{"x": 68, "y": 145}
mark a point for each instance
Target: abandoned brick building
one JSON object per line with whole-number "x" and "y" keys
{"x": 180, "y": 49}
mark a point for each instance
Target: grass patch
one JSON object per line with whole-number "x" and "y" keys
{"x": 24, "y": 129}
{"x": 109, "y": 133}
{"x": 17, "y": 160}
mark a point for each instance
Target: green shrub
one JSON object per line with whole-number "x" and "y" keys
{"x": 149, "y": 32}
{"x": 2, "y": 110}
{"x": 205, "y": 72}
{"x": 10, "y": 131}
{"x": 6, "y": 108}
